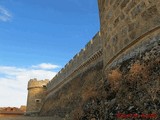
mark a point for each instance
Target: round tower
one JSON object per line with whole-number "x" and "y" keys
{"x": 36, "y": 95}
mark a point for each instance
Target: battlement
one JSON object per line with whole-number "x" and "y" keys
{"x": 34, "y": 83}
{"x": 130, "y": 32}
{"x": 90, "y": 49}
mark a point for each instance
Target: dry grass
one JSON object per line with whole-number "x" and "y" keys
{"x": 88, "y": 94}
{"x": 114, "y": 77}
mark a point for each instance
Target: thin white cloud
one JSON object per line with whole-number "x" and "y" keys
{"x": 4, "y": 14}
{"x": 14, "y": 80}
{"x": 45, "y": 66}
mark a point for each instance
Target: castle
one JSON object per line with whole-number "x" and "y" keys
{"x": 12, "y": 111}
{"x": 36, "y": 94}
{"x": 117, "y": 71}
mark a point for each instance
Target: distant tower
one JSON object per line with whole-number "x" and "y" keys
{"x": 36, "y": 95}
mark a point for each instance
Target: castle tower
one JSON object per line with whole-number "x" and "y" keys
{"x": 36, "y": 95}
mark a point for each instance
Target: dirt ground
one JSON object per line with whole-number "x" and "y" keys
{"x": 29, "y": 118}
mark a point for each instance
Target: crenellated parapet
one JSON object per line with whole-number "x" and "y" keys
{"x": 34, "y": 83}
{"x": 92, "y": 50}
{"x": 121, "y": 60}
{"x": 36, "y": 95}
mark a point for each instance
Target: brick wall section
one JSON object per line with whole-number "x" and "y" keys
{"x": 124, "y": 23}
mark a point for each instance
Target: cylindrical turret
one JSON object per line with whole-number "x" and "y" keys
{"x": 36, "y": 95}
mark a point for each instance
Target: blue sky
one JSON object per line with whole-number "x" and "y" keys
{"x": 37, "y": 38}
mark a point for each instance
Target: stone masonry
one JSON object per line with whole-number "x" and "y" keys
{"x": 36, "y": 95}
{"x": 116, "y": 75}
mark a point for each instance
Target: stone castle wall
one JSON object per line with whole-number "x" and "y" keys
{"x": 74, "y": 78}
{"x": 92, "y": 50}
{"x": 118, "y": 70}
{"x": 33, "y": 83}
{"x": 124, "y": 23}
{"x": 36, "y": 91}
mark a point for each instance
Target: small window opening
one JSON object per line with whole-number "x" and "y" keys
{"x": 38, "y": 100}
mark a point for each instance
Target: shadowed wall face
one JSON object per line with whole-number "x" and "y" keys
{"x": 70, "y": 99}
{"x": 75, "y": 83}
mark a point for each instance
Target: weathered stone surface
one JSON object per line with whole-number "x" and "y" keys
{"x": 124, "y": 3}
{"x": 117, "y": 72}
{"x": 150, "y": 12}
{"x": 70, "y": 98}
{"x": 36, "y": 95}
{"x": 132, "y": 87}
